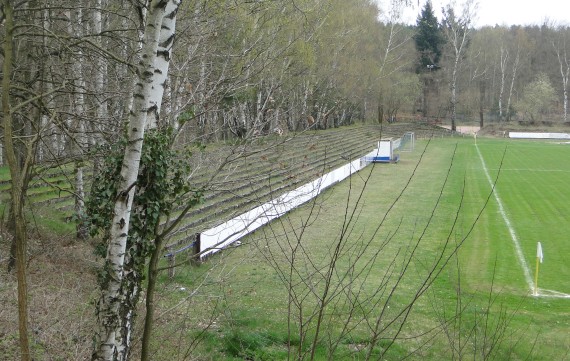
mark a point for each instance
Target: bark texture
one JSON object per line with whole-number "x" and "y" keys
{"x": 119, "y": 294}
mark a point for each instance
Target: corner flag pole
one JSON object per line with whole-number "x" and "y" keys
{"x": 539, "y": 257}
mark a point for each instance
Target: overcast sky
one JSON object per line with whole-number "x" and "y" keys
{"x": 505, "y": 12}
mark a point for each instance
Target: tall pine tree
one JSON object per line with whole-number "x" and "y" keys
{"x": 429, "y": 39}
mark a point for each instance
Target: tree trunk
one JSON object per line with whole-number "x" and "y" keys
{"x": 81, "y": 227}
{"x": 457, "y": 32}
{"x": 515, "y": 67}
{"x": 565, "y": 116}
{"x": 99, "y": 84}
{"x": 21, "y": 238}
{"x": 115, "y": 312}
{"x": 564, "y": 73}
{"x": 504, "y": 58}
{"x": 454, "y": 96}
{"x": 18, "y": 174}
{"x": 150, "y": 290}
{"x": 481, "y": 102}
{"x": 381, "y": 108}
{"x": 79, "y": 142}
{"x": 424, "y": 97}
{"x": 121, "y": 286}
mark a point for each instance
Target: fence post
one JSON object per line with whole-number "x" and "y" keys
{"x": 171, "y": 259}
{"x": 195, "y": 258}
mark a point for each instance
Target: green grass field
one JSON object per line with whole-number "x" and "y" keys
{"x": 533, "y": 185}
{"x": 376, "y": 254}
{"x": 390, "y": 231}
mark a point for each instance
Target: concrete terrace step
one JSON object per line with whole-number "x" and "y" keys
{"x": 334, "y": 150}
{"x": 258, "y": 171}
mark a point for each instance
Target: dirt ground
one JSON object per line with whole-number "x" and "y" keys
{"x": 464, "y": 129}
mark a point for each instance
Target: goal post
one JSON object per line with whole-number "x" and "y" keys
{"x": 407, "y": 142}
{"x": 388, "y": 150}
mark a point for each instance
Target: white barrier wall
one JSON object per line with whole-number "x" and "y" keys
{"x": 525, "y": 135}
{"x": 223, "y": 235}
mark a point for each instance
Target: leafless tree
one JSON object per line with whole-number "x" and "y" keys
{"x": 562, "y": 55}
{"x": 333, "y": 292}
{"x": 457, "y": 29}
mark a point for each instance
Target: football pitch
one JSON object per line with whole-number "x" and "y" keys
{"x": 530, "y": 204}
{"x": 496, "y": 197}
{"x": 459, "y": 216}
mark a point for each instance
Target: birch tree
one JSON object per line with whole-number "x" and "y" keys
{"x": 457, "y": 30}
{"x": 520, "y": 50}
{"x": 503, "y": 59}
{"x": 100, "y": 112}
{"x": 564, "y": 62}
{"x": 115, "y": 308}
{"x": 78, "y": 143}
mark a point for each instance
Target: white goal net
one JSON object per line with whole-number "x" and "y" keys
{"x": 406, "y": 143}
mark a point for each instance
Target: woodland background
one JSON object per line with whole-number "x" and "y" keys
{"x": 234, "y": 71}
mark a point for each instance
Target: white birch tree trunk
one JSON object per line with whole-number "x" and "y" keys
{"x": 76, "y": 27}
{"x": 305, "y": 112}
{"x": 503, "y": 67}
{"x": 162, "y": 61}
{"x": 458, "y": 44}
{"x": 136, "y": 257}
{"x": 99, "y": 76}
{"x": 43, "y": 146}
{"x": 457, "y": 32}
{"x": 201, "y": 91}
{"x": 453, "y": 87}
{"x": 564, "y": 73}
{"x": 258, "y": 111}
{"x": 242, "y": 109}
{"x": 515, "y": 68}
{"x": 115, "y": 312}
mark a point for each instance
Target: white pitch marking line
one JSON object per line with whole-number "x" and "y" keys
{"x": 520, "y": 256}
{"x": 552, "y": 294}
{"x": 514, "y": 237}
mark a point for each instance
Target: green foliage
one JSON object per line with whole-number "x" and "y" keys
{"x": 240, "y": 96}
{"x": 429, "y": 38}
{"x": 162, "y": 185}
{"x": 399, "y": 90}
{"x": 248, "y": 345}
{"x": 154, "y": 184}
{"x": 185, "y": 116}
{"x": 304, "y": 54}
{"x": 537, "y": 97}
{"x": 99, "y": 206}
{"x": 4, "y": 173}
